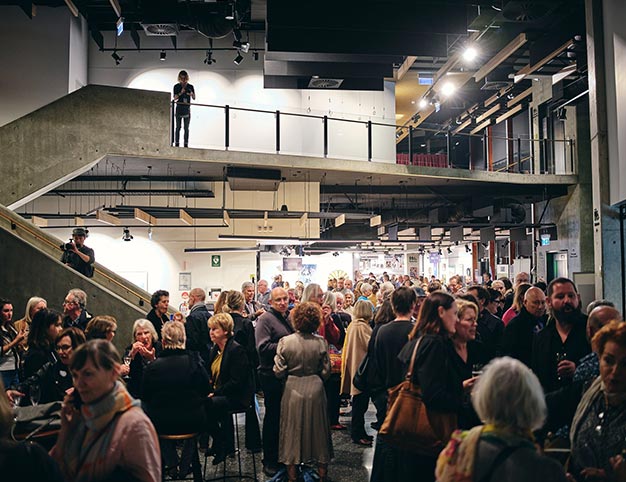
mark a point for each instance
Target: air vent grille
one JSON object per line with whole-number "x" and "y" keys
{"x": 325, "y": 83}
{"x": 160, "y": 29}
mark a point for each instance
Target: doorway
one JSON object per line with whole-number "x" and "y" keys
{"x": 556, "y": 265}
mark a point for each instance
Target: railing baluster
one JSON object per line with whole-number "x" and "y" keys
{"x": 226, "y": 126}
{"x": 277, "y": 131}
{"x": 325, "y": 121}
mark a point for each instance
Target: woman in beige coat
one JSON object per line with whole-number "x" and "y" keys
{"x": 354, "y": 350}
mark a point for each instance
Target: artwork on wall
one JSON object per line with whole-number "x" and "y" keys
{"x": 307, "y": 273}
{"x": 184, "y": 281}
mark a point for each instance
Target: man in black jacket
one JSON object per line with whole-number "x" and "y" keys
{"x": 271, "y": 326}
{"x": 196, "y": 326}
{"x": 517, "y": 340}
{"x": 558, "y": 348}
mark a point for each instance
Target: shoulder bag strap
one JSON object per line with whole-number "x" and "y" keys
{"x": 409, "y": 373}
{"x": 504, "y": 454}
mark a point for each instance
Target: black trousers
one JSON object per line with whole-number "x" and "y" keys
{"x": 185, "y": 120}
{"x": 360, "y": 403}
{"x": 333, "y": 397}
{"x": 272, "y": 392}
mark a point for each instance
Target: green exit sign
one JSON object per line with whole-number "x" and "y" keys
{"x": 216, "y": 261}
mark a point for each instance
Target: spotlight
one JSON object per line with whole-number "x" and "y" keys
{"x": 439, "y": 252}
{"x": 470, "y": 54}
{"x": 116, "y": 57}
{"x": 449, "y": 250}
{"x": 423, "y": 103}
{"x": 127, "y": 236}
{"x": 255, "y": 55}
{"x": 162, "y": 55}
{"x": 335, "y": 253}
{"x": 448, "y": 89}
{"x": 243, "y": 46}
{"x": 237, "y": 60}
{"x": 209, "y": 58}
{"x": 150, "y": 233}
{"x": 468, "y": 249}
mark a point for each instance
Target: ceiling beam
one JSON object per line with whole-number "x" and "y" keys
{"x": 508, "y": 50}
{"x": 404, "y": 68}
{"x": 480, "y": 127}
{"x": 488, "y": 113}
{"x": 519, "y": 97}
{"x": 72, "y": 8}
{"x": 529, "y": 69}
{"x": 510, "y": 113}
{"x": 116, "y": 7}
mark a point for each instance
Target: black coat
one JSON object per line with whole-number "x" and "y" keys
{"x": 174, "y": 390}
{"x": 517, "y": 340}
{"x": 137, "y": 367}
{"x": 390, "y": 339}
{"x": 53, "y": 380}
{"x": 490, "y": 329}
{"x": 197, "y": 331}
{"x": 244, "y": 335}
{"x": 547, "y": 343}
{"x": 235, "y": 379}
{"x": 436, "y": 373}
{"x": 157, "y": 321}
{"x": 36, "y": 358}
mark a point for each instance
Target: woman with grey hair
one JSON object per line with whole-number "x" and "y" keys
{"x": 174, "y": 390}
{"x": 145, "y": 348}
{"x": 510, "y": 401}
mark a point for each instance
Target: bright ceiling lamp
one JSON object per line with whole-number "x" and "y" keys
{"x": 423, "y": 103}
{"x": 470, "y": 54}
{"x": 448, "y": 89}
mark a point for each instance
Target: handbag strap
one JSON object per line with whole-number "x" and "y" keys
{"x": 409, "y": 372}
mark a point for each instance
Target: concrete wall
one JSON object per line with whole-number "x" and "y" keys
{"x": 27, "y": 272}
{"x": 35, "y": 58}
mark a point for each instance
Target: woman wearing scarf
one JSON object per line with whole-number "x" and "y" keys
{"x": 598, "y": 431}
{"x": 509, "y": 399}
{"x": 104, "y": 433}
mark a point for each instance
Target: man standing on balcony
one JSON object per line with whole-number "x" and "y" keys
{"x": 183, "y": 94}
{"x": 78, "y": 256}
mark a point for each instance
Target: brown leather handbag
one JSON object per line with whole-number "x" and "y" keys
{"x": 409, "y": 425}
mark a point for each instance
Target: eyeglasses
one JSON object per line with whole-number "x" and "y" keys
{"x": 68, "y": 302}
{"x": 64, "y": 347}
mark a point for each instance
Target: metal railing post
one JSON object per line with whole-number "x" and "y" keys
{"x": 277, "y": 131}
{"x": 411, "y": 145}
{"x": 325, "y": 121}
{"x": 519, "y": 154}
{"x": 172, "y": 110}
{"x": 226, "y": 126}
{"x": 369, "y": 141}
{"x": 485, "y": 149}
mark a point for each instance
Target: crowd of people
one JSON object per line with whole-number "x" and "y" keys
{"x": 516, "y": 368}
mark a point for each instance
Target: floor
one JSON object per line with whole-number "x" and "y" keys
{"x": 352, "y": 463}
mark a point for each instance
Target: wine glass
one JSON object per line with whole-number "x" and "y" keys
{"x": 560, "y": 356}
{"x": 127, "y": 360}
{"x": 35, "y": 395}
{"x": 477, "y": 369}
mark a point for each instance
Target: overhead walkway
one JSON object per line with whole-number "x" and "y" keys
{"x": 30, "y": 265}
{"x": 68, "y": 137}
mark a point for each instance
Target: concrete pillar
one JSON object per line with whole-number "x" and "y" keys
{"x": 605, "y": 217}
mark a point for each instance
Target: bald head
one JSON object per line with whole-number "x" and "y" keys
{"x": 535, "y": 302}
{"x": 599, "y": 317}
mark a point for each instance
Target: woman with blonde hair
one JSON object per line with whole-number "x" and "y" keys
{"x": 354, "y": 350}
{"x": 33, "y": 305}
{"x": 518, "y": 302}
{"x": 230, "y": 384}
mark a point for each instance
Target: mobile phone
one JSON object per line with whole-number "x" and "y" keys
{"x": 76, "y": 400}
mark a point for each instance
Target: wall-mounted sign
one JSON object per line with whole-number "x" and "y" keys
{"x": 216, "y": 261}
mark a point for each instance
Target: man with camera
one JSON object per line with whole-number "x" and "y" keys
{"x": 78, "y": 256}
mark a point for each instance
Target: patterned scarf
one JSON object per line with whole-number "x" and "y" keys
{"x": 84, "y": 456}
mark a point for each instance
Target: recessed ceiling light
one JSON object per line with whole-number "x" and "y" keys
{"x": 423, "y": 103}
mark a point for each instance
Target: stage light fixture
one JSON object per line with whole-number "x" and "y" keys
{"x": 242, "y": 46}
{"x": 126, "y": 236}
{"x": 162, "y": 55}
{"x": 255, "y": 55}
{"x": 468, "y": 249}
{"x": 116, "y": 57}
{"x": 470, "y": 54}
{"x": 237, "y": 60}
{"x": 209, "y": 60}
{"x": 230, "y": 12}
